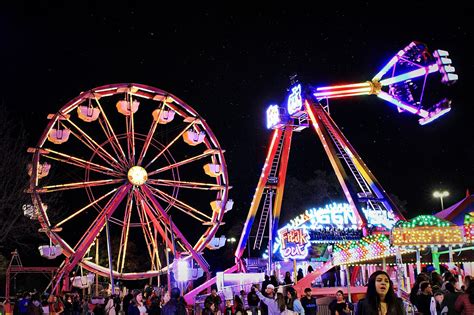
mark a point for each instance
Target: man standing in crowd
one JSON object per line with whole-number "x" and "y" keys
{"x": 309, "y": 303}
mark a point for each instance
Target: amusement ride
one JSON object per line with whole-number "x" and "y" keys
{"x": 139, "y": 168}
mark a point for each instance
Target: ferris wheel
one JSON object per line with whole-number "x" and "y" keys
{"x": 137, "y": 167}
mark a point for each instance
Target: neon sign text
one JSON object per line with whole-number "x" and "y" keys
{"x": 295, "y": 101}
{"x": 294, "y": 243}
{"x": 334, "y": 215}
{"x": 273, "y": 116}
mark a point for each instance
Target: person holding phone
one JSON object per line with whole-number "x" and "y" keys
{"x": 340, "y": 306}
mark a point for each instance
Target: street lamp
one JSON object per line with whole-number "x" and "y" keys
{"x": 232, "y": 241}
{"x": 441, "y": 195}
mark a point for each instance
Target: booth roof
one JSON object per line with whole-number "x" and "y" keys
{"x": 456, "y": 212}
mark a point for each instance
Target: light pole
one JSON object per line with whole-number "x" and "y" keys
{"x": 441, "y": 195}
{"x": 232, "y": 241}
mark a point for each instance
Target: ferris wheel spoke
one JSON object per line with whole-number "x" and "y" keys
{"x": 157, "y": 256}
{"x": 154, "y": 242}
{"x": 39, "y": 205}
{"x": 131, "y": 133}
{"x": 94, "y": 149}
{"x": 147, "y": 143}
{"x": 60, "y": 187}
{"x": 189, "y": 185}
{"x": 124, "y": 236}
{"x": 99, "y": 223}
{"x": 72, "y": 160}
{"x": 154, "y": 217}
{"x": 183, "y": 162}
{"x": 86, "y": 207}
{"x": 149, "y": 137}
{"x": 197, "y": 256}
{"x": 94, "y": 146}
{"x": 109, "y": 131}
{"x": 180, "y": 205}
{"x": 149, "y": 241}
{"x": 172, "y": 142}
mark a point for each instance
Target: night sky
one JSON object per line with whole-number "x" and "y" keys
{"x": 230, "y": 64}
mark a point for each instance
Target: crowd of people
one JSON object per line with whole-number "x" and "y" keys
{"x": 432, "y": 294}
{"x": 135, "y": 302}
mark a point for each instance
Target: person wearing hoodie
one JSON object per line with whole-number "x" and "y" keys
{"x": 438, "y": 304}
{"x": 269, "y": 300}
{"x": 424, "y": 298}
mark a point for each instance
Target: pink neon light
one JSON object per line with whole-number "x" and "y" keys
{"x": 364, "y": 84}
{"x": 359, "y": 90}
{"x": 427, "y": 120}
{"x": 344, "y": 95}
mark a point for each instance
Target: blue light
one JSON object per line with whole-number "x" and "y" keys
{"x": 295, "y": 102}
{"x": 273, "y": 116}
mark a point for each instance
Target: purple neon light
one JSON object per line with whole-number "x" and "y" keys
{"x": 410, "y": 75}
{"x": 427, "y": 120}
{"x": 387, "y": 67}
{"x": 412, "y": 109}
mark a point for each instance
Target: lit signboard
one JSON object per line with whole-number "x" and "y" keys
{"x": 273, "y": 116}
{"x": 293, "y": 243}
{"x": 383, "y": 218}
{"x": 295, "y": 102}
{"x": 338, "y": 215}
{"x": 332, "y": 223}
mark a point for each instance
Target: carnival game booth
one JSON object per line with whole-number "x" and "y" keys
{"x": 400, "y": 254}
{"x": 424, "y": 232}
{"x": 469, "y": 237}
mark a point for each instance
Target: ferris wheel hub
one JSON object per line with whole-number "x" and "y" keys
{"x": 137, "y": 175}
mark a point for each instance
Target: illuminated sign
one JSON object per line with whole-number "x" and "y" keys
{"x": 293, "y": 243}
{"x": 273, "y": 116}
{"x": 427, "y": 235}
{"x": 295, "y": 101}
{"x": 338, "y": 216}
{"x": 383, "y": 218}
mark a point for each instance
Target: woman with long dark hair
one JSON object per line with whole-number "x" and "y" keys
{"x": 340, "y": 306}
{"x": 292, "y": 301}
{"x": 465, "y": 302}
{"x": 288, "y": 279}
{"x": 380, "y": 298}
{"x": 137, "y": 305}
